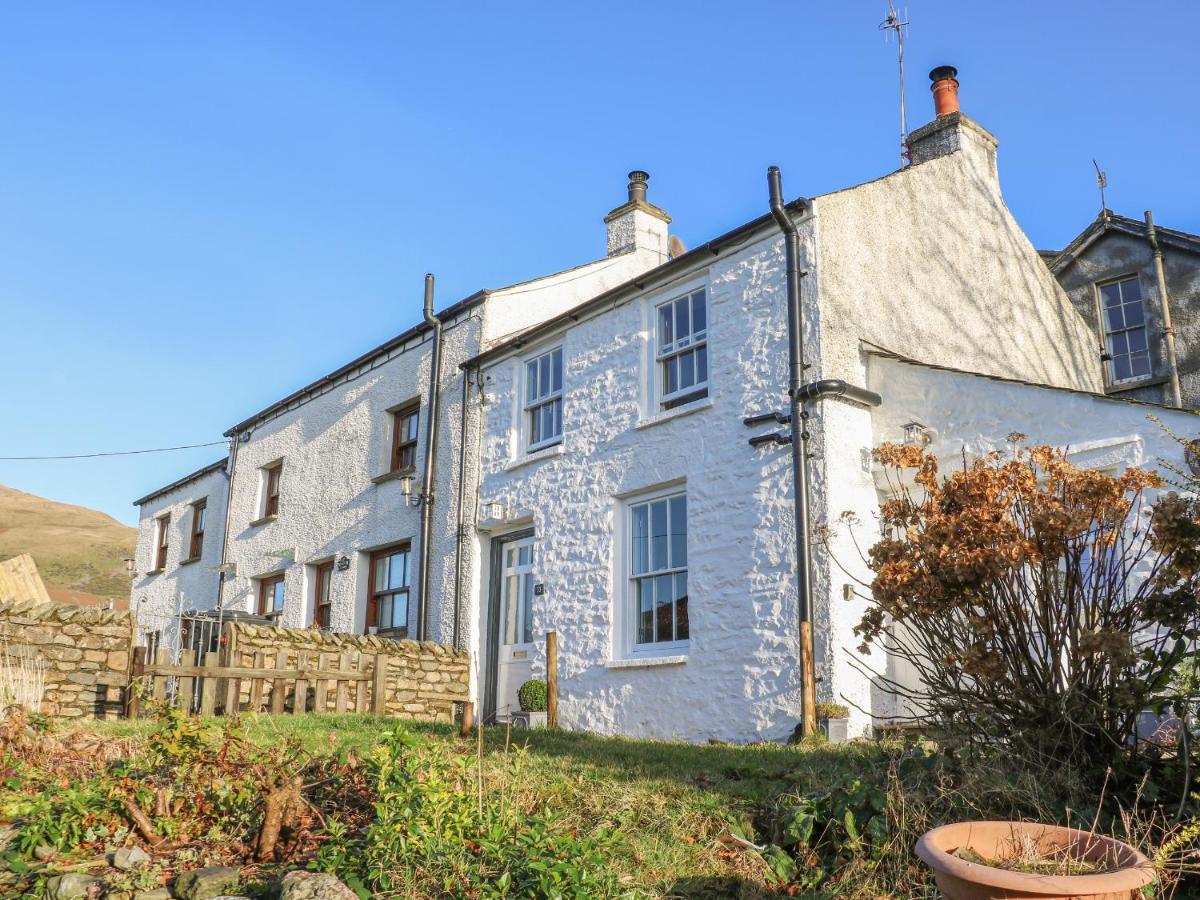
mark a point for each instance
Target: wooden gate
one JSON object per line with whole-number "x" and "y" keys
{"x": 320, "y": 682}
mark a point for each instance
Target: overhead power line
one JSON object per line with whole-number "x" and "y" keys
{"x": 111, "y": 453}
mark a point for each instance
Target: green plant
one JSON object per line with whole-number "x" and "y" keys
{"x": 533, "y": 696}
{"x": 438, "y": 830}
{"x": 832, "y": 711}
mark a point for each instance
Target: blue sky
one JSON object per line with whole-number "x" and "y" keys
{"x": 206, "y": 206}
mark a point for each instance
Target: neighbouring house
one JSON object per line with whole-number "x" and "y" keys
{"x": 1138, "y": 286}
{"x": 21, "y": 581}
{"x": 181, "y": 535}
{"x": 592, "y": 474}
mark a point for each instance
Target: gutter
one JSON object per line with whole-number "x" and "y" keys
{"x": 1165, "y": 301}
{"x": 431, "y": 434}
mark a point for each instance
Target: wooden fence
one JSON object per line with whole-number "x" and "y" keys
{"x": 321, "y": 682}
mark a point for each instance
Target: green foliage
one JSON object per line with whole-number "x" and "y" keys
{"x": 532, "y": 695}
{"x": 436, "y": 829}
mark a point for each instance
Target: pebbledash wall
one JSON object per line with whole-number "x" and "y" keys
{"x": 425, "y": 680}
{"x": 83, "y": 654}
{"x": 737, "y": 677}
{"x": 184, "y": 583}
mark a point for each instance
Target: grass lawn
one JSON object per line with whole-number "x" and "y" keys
{"x": 672, "y": 805}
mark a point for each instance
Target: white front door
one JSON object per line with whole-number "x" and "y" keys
{"x": 515, "y": 656}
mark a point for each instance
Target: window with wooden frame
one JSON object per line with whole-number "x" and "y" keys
{"x": 162, "y": 540}
{"x": 271, "y": 477}
{"x": 196, "y": 543}
{"x": 388, "y": 589}
{"x": 544, "y": 399}
{"x": 682, "y": 348}
{"x": 405, "y": 422}
{"x": 270, "y": 595}
{"x": 322, "y": 605}
{"x": 1125, "y": 330}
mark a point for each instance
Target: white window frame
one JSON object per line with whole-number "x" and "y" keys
{"x": 681, "y": 346}
{"x": 1110, "y": 333}
{"x": 629, "y": 625}
{"x": 531, "y": 405}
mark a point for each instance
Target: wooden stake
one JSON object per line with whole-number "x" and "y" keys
{"x": 468, "y": 719}
{"x": 379, "y": 687}
{"x": 552, "y": 679}
{"x": 133, "y": 691}
{"x": 808, "y": 688}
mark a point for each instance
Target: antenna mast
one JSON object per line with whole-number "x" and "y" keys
{"x": 1102, "y": 183}
{"x": 895, "y": 22}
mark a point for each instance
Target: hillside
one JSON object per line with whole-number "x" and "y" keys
{"x": 80, "y": 552}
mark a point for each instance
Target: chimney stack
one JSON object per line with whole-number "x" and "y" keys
{"x": 952, "y": 132}
{"x": 945, "y": 90}
{"x": 638, "y": 225}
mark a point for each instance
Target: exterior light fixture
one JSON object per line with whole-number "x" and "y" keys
{"x": 129, "y": 566}
{"x": 917, "y": 435}
{"x": 406, "y": 488}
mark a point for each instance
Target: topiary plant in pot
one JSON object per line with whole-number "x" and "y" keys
{"x": 533, "y": 698}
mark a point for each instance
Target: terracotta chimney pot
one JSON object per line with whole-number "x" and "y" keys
{"x": 945, "y": 90}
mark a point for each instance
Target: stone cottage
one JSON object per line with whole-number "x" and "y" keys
{"x": 1137, "y": 285}
{"x": 593, "y": 474}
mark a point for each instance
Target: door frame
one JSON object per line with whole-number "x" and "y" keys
{"x": 495, "y": 585}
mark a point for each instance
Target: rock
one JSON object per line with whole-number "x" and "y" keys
{"x": 127, "y": 858}
{"x": 156, "y": 894}
{"x": 206, "y": 884}
{"x": 72, "y": 886}
{"x": 314, "y": 886}
{"x": 43, "y": 852}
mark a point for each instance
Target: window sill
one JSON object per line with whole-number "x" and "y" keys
{"x": 189, "y": 560}
{"x": 1121, "y": 386}
{"x": 535, "y": 457}
{"x": 668, "y": 414}
{"x": 645, "y": 662}
{"x": 156, "y": 571}
{"x": 265, "y": 520}
{"x": 394, "y": 476}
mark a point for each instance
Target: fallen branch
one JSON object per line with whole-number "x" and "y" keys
{"x": 144, "y": 826}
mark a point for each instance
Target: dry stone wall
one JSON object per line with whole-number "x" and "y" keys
{"x": 425, "y": 680}
{"x": 80, "y": 655}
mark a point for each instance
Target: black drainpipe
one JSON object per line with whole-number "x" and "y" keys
{"x": 798, "y": 394}
{"x": 431, "y": 431}
{"x": 460, "y": 532}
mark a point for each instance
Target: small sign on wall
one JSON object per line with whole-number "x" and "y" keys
{"x": 539, "y": 589}
{"x": 343, "y": 563}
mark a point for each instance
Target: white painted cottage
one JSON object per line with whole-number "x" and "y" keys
{"x": 593, "y": 475}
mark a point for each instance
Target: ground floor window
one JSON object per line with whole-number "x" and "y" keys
{"x": 658, "y": 576}
{"x": 270, "y": 595}
{"x": 388, "y": 589}
{"x": 321, "y": 595}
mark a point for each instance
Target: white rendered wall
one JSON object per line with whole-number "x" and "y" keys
{"x": 739, "y": 679}
{"x": 157, "y": 598}
{"x": 332, "y": 448}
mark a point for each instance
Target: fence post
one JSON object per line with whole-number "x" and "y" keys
{"x": 208, "y": 690}
{"x": 468, "y": 719}
{"x": 133, "y": 691}
{"x": 379, "y": 686}
{"x": 278, "y": 685}
{"x": 552, "y": 679}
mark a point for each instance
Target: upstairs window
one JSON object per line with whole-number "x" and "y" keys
{"x": 162, "y": 539}
{"x": 196, "y": 543}
{"x": 543, "y": 399}
{"x": 271, "y": 478}
{"x": 270, "y": 595}
{"x": 683, "y": 348}
{"x": 659, "y": 571}
{"x": 1125, "y": 330}
{"x": 404, "y": 438}
{"x": 388, "y": 589}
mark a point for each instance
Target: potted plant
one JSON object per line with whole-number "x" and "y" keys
{"x": 533, "y": 699}
{"x": 995, "y": 860}
{"x": 833, "y": 720}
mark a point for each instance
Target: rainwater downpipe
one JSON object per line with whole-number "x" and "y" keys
{"x": 460, "y": 533}
{"x": 1165, "y": 300}
{"x": 431, "y": 435}
{"x": 799, "y": 442}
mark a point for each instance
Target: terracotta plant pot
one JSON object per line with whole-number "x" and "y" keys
{"x": 958, "y": 879}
